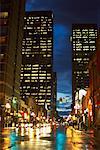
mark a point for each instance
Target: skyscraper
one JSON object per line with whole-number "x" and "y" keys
{"x": 54, "y": 91}
{"x": 11, "y": 27}
{"x": 37, "y": 57}
{"x": 83, "y": 45}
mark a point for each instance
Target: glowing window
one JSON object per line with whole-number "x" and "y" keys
{"x": 3, "y": 14}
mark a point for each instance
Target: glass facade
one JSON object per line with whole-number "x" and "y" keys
{"x": 37, "y": 57}
{"x": 10, "y": 47}
{"x": 83, "y": 45}
{"x": 3, "y": 37}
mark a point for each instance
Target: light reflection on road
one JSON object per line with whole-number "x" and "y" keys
{"x": 42, "y": 138}
{"x": 60, "y": 139}
{"x": 79, "y": 140}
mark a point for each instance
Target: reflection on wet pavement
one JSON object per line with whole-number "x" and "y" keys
{"x": 45, "y": 139}
{"x": 60, "y": 139}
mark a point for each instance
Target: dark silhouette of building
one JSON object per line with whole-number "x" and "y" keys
{"x": 54, "y": 94}
{"x": 83, "y": 45}
{"x": 94, "y": 84}
{"x": 11, "y": 27}
{"x": 54, "y": 89}
{"x": 37, "y": 57}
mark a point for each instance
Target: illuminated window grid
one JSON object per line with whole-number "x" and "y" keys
{"x": 83, "y": 42}
{"x": 45, "y": 44}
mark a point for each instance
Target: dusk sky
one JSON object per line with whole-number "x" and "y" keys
{"x": 66, "y": 13}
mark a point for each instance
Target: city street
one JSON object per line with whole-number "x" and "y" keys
{"x": 42, "y": 138}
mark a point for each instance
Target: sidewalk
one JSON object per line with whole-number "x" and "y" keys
{"x": 5, "y": 139}
{"x": 83, "y": 131}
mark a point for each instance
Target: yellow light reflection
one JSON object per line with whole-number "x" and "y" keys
{"x": 75, "y": 138}
{"x": 31, "y": 135}
{"x": 37, "y": 133}
{"x": 22, "y": 132}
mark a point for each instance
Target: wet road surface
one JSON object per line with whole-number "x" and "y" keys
{"x": 46, "y": 139}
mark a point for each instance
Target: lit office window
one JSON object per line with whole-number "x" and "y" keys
{"x": 3, "y": 14}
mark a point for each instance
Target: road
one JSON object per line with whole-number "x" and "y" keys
{"x": 46, "y": 139}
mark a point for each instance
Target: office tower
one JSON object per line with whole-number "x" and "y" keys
{"x": 83, "y": 45}
{"x": 11, "y": 27}
{"x": 37, "y": 57}
{"x": 54, "y": 86}
{"x": 54, "y": 91}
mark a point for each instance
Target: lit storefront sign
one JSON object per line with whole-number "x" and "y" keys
{"x": 77, "y": 107}
{"x": 97, "y": 105}
{"x": 14, "y": 102}
{"x": 90, "y": 107}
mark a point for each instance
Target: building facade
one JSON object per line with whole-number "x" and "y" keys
{"x": 37, "y": 57}
{"x": 54, "y": 94}
{"x": 83, "y": 45}
{"x": 11, "y": 25}
{"x": 94, "y": 74}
